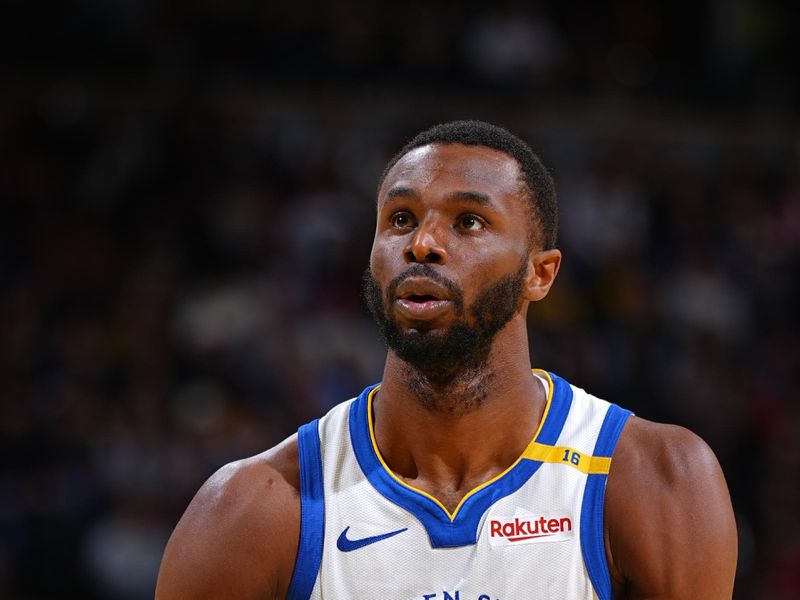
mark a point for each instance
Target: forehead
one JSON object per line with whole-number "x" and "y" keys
{"x": 468, "y": 168}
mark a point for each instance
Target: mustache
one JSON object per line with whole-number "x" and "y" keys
{"x": 425, "y": 270}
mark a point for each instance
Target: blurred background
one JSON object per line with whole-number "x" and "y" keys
{"x": 186, "y": 207}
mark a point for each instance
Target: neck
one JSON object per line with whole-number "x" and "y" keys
{"x": 456, "y": 393}
{"x": 427, "y": 427}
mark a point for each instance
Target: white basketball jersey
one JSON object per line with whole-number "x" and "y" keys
{"x": 534, "y": 531}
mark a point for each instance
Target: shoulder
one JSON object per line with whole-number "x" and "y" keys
{"x": 238, "y": 538}
{"x": 669, "y": 521}
{"x": 667, "y": 455}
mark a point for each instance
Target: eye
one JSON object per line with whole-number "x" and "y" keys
{"x": 471, "y": 223}
{"x": 400, "y": 220}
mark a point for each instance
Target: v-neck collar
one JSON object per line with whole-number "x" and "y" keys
{"x": 459, "y": 528}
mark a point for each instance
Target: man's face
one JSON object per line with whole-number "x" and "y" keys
{"x": 450, "y": 255}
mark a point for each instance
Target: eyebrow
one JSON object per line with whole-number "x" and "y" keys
{"x": 406, "y": 192}
{"x": 475, "y": 197}
{"x": 401, "y": 192}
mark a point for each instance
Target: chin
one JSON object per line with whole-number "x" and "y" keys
{"x": 422, "y": 328}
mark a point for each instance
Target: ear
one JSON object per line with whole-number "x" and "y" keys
{"x": 542, "y": 270}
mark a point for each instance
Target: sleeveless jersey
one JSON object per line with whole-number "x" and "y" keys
{"x": 533, "y": 531}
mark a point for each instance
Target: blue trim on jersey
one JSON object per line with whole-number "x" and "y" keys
{"x": 463, "y": 530}
{"x": 559, "y": 409}
{"x": 592, "y": 538}
{"x": 312, "y": 514}
{"x": 610, "y": 430}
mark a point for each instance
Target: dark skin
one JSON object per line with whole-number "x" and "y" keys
{"x": 670, "y": 530}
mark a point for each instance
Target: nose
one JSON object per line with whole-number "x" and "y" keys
{"x": 425, "y": 246}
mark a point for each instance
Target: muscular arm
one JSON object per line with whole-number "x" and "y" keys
{"x": 669, "y": 522}
{"x": 238, "y": 538}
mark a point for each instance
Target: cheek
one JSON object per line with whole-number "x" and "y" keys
{"x": 375, "y": 261}
{"x": 483, "y": 260}
{"x": 380, "y": 259}
{"x": 482, "y": 270}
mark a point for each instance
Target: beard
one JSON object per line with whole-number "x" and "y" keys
{"x": 442, "y": 355}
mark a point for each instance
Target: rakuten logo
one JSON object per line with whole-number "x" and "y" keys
{"x": 525, "y": 530}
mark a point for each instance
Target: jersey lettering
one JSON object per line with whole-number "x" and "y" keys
{"x": 516, "y": 530}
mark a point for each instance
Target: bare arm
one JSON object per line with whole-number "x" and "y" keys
{"x": 238, "y": 538}
{"x": 669, "y": 521}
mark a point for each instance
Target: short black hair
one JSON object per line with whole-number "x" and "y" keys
{"x": 537, "y": 182}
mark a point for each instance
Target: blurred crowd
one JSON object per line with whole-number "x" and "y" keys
{"x": 186, "y": 208}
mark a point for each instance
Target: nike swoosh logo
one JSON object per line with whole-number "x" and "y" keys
{"x": 347, "y": 545}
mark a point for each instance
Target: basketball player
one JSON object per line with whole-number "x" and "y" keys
{"x": 465, "y": 474}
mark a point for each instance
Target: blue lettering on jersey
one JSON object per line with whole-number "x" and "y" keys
{"x": 454, "y": 596}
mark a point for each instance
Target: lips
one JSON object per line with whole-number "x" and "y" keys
{"x": 421, "y": 298}
{"x": 422, "y": 287}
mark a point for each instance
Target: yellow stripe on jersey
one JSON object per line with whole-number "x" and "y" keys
{"x": 591, "y": 465}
